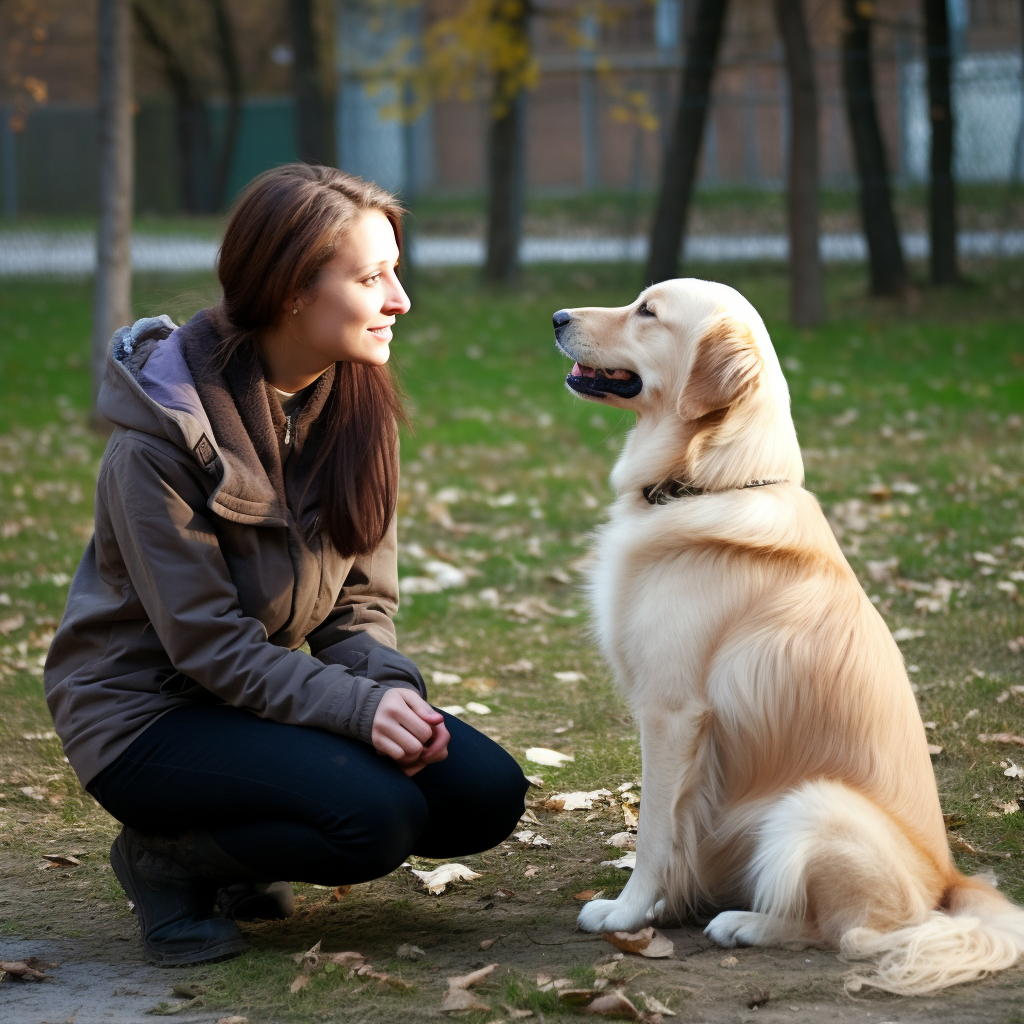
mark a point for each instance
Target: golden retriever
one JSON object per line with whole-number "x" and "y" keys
{"x": 785, "y": 766}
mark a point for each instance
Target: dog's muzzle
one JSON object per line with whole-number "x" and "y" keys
{"x": 588, "y": 380}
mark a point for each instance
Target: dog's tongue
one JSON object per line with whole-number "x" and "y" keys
{"x": 583, "y": 371}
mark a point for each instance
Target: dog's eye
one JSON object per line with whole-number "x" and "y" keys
{"x": 645, "y": 310}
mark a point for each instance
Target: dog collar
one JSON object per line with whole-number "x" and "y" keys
{"x": 662, "y": 494}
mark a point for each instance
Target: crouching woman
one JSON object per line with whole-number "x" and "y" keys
{"x": 245, "y": 507}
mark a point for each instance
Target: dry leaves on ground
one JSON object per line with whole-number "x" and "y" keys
{"x": 544, "y": 755}
{"x": 528, "y": 838}
{"x": 437, "y": 880}
{"x": 648, "y": 942}
{"x": 627, "y": 861}
{"x": 577, "y": 801}
{"x": 30, "y": 969}
{"x": 354, "y": 964}
{"x": 458, "y": 997}
{"x": 1000, "y": 737}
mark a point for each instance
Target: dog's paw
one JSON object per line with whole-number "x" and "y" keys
{"x": 612, "y": 916}
{"x": 736, "y": 928}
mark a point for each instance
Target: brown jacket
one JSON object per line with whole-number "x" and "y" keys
{"x": 204, "y": 576}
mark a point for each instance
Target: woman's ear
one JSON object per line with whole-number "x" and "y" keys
{"x": 725, "y": 367}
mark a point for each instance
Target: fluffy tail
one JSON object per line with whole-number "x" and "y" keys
{"x": 980, "y": 932}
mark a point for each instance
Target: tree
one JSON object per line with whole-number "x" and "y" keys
{"x": 806, "y": 279}
{"x": 313, "y": 133}
{"x": 885, "y": 253}
{"x": 202, "y": 178}
{"x": 506, "y": 142}
{"x": 941, "y": 184}
{"x": 679, "y": 169}
{"x": 112, "y": 297}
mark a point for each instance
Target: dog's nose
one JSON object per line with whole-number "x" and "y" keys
{"x": 561, "y": 318}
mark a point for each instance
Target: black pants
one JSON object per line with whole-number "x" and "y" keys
{"x": 298, "y": 804}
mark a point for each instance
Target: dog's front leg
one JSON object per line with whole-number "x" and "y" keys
{"x": 666, "y": 838}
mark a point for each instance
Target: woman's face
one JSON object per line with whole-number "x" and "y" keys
{"x": 348, "y": 314}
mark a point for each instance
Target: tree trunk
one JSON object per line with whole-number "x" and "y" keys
{"x": 679, "y": 170}
{"x": 885, "y": 253}
{"x": 941, "y": 186}
{"x": 228, "y": 53}
{"x": 113, "y": 288}
{"x": 506, "y": 159}
{"x": 806, "y": 280}
{"x": 312, "y": 126}
{"x": 196, "y": 175}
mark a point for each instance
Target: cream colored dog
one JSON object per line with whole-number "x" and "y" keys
{"x": 785, "y": 766}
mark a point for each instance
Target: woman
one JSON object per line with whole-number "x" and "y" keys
{"x": 245, "y": 507}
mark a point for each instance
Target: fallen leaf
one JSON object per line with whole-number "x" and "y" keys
{"x": 478, "y": 709}
{"x": 757, "y": 997}
{"x": 299, "y": 983}
{"x": 614, "y": 1004}
{"x": 961, "y": 844}
{"x": 480, "y": 685}
{"x": 311, "y": 957}
{"x": 574, "y": 801}
{"x": 657, "y": 1006}
{"x": 536, "y": 608}
{"x": 570, "y": 677}
{"x": 1015, "y": 771}
{"x": 340, "y": 892}
{"x": 528, "y": 838}
{"x": 165, "y": 1009}
{"x": 627, "y": 861}
{"x": 446, "y": 678}
{"x": 729, "y": 961}
{"x": 11, "y": 623}
{"x": 1012, "y": 807}
{"x": 469, "y": 980}
{"x": 459, "y": 999}
{"x": 233, "y": 1019}
{"x": 487, "y": 943}
{"x": 21, "y": 969}
{"x": 535, "y": 780}
{"x": 622, "y": 841}
{"x": 544, "y": 755}
{"x": 647, "y": 942}
{"x": 435, "y": 881}
{"x": 531, "y": 870}
{"x": 630, "y": 818}
{"x": 515, "y": 1013}
{"x": 368, "y": 971}
{"x": 454, "y": 709}
{"x": 1000, "y": 737}
{"x": 529, "y": 817}
{"x": 934, "y": 748}
{"x": 589, "y": 894}
{"x": 62, "y": 860}
{"x": 407, "y": 951}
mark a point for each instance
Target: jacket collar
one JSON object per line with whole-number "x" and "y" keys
{"x": 161, "y": 379}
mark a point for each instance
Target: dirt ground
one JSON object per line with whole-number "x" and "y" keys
{"x": 77, "y": 919}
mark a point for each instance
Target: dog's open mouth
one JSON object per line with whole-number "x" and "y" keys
{"x": 598, "y": 381}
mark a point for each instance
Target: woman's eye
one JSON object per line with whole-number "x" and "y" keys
{"x": 372, "y": 279}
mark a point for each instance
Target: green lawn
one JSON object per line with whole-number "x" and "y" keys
{"x": 910, "y": 419}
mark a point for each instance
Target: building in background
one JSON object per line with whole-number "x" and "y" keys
{"x": 583, "y": 127}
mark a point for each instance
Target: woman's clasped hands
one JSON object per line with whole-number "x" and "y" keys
{"x": 408, "y": 730}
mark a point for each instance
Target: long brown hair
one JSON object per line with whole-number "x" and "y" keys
{"x": 286, "y": 225}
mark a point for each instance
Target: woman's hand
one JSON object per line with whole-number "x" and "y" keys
{"x": 408, "y": 730}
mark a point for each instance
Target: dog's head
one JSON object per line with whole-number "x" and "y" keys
{"x": 693, "y": 359}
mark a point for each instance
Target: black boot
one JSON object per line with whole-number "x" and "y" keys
{"x": 173, "y": 884}
{"x": 256, "y": 901}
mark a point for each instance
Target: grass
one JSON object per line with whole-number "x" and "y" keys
{"x": 504, "y": 474}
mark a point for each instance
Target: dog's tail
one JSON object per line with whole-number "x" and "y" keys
{"x": 977, "y": 933}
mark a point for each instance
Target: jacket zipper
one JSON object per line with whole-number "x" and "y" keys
{"x": 288, "y": 427}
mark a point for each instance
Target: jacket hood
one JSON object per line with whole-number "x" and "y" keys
{"x": 148, "y": 386}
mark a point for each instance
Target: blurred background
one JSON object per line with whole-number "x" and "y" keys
{"x": 564, "y": 113}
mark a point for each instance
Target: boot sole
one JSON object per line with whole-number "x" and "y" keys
{"x": 226, "y": 950}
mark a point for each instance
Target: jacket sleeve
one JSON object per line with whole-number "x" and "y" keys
{"x": 173, "y": 561}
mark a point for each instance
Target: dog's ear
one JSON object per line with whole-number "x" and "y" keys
{"x": 724, "y": 368}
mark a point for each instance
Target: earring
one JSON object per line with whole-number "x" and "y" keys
{"x": 295, "y": 309}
